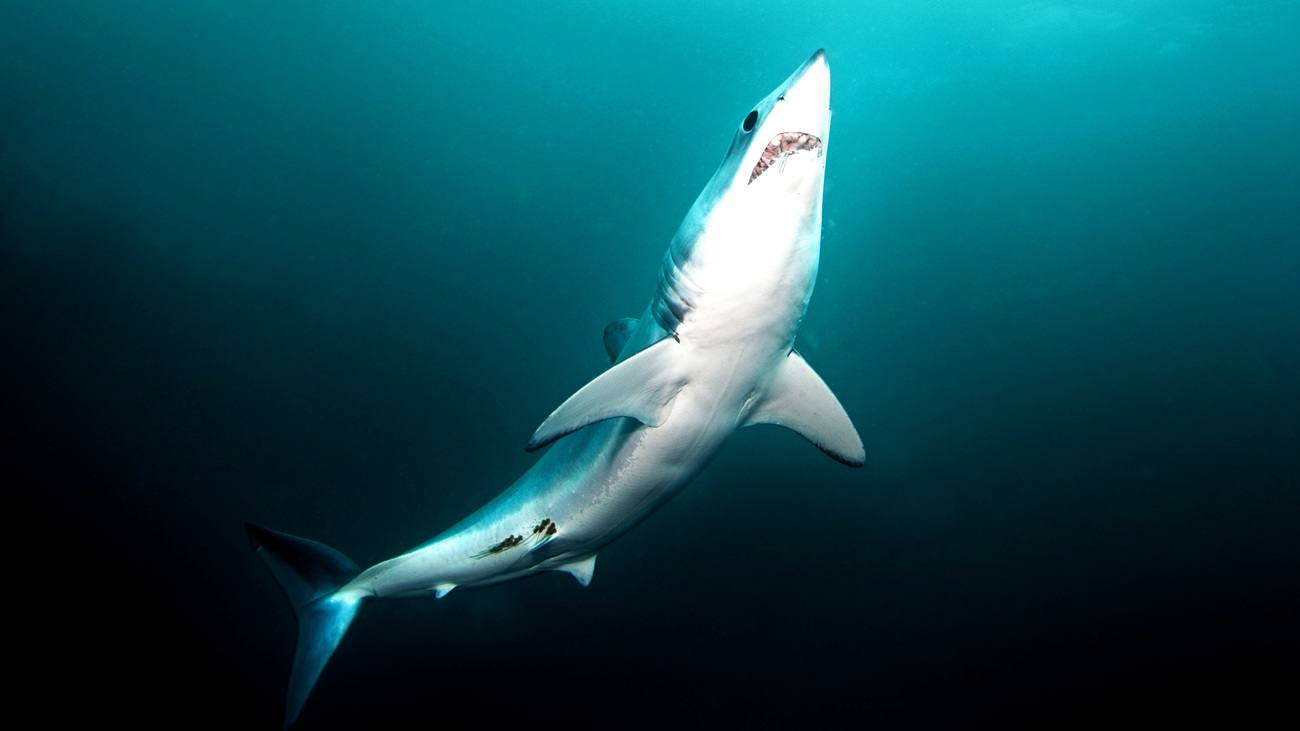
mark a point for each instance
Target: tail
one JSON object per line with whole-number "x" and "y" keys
{"x": 311, "y": 575}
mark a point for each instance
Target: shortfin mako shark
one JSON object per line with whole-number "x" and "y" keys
{"x": 713, "y": 352}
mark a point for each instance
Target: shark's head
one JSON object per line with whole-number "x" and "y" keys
{"x": 778, "y": 153}
{"x": 793, "y": 121}
{"x": 757, "y": 224}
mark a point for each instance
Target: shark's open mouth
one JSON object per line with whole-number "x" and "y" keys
{"x": 786, "y": 143}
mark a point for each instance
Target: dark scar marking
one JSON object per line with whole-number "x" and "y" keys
{"x": 510, "y": 542}
{"x": 541, "y": 532}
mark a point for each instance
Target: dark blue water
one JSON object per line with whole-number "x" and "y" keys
{"x": 325, "y": 266}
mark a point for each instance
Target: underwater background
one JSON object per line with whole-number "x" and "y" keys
{"x": 325, "y": 265}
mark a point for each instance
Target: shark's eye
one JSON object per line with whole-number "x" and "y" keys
{"x": 750, "y": 121}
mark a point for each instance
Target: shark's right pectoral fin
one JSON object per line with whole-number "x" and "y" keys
{"x": 642, "y": 387}
{"x": 799, "y": 400}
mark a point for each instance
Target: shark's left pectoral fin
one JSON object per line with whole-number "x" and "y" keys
{"x": 642, "y": 387}
{"x": 581, "y": 570}
{"x": 799, "y": 400}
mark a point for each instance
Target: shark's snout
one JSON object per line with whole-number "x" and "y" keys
{"x": 809, "y": 87}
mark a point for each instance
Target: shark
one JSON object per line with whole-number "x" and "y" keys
{"x": 712, "y": 352}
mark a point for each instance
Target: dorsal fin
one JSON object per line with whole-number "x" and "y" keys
{"x": 616, "y": 334}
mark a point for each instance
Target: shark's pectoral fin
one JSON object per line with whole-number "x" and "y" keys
{"x": 642, "y": 387}
{"x": 799, "y": 400}
{"x": 581, "y": 570}
{"x": 616, "y": 334}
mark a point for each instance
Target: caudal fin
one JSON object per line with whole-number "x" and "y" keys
{"x": 311, "y": 575}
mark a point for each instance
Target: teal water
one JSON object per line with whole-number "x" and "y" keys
{"x": 326, "y": 265}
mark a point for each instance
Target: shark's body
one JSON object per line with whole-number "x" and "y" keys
{"x": 712, "y": 353}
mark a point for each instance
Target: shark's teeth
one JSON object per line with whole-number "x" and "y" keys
{"x": 786, "y": 143}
